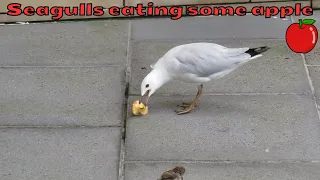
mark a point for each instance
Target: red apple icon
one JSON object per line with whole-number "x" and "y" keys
{"x": 302, "y": 37}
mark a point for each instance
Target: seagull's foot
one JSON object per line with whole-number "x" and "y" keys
{"x": 185, "y": 105}
{"x": 187, "y": 109}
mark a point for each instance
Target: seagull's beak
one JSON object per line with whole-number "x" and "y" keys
{"x": 148, "y": 91}
{"x": 147, "y": 97}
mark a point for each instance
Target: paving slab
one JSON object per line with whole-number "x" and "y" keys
{"x": 239, "y": 171}
{"x": 62, "y": 96}
{"x": 244, "y": 128}
{"x": 279, "y": 70}
{"x": 313, "y": 57}
{"x": 315, "y": 78}
{"x": 75, "y": 153}
{"x": 89, "y": 43}
{"x": 211, "y": 27}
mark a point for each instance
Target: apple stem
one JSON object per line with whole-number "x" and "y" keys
{"x": 300, "y": 23}
{"x": 306, "y": 21}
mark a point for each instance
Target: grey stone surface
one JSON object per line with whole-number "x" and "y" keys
{"x": 75, "y": 153}
{"x": 315, "y": 77}
{"x": 61, "y": 96}
{"x": 64, "y": 44}
{"x": 265, "y": 127}
{"x": 240, "y": 171}
{"x": 215, "y": 27}
{"x": 278, "y": 71}
{"x": 313, "y": 57}
{"x": 240, "y": 128}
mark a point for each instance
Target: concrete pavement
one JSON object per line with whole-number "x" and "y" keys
{"x": 66, "y": 90}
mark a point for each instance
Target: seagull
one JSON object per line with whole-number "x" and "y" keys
{"x": 173, "y": 174}
{"x": 196, "y": 63}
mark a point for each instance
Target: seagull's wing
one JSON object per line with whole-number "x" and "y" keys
{"x": 205, "y": 59}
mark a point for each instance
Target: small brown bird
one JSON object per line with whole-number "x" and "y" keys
{"x": 173, "y": 174}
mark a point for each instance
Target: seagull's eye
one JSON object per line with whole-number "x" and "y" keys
{"x": 147, "y": 85}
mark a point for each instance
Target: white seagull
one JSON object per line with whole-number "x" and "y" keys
{"x": 196, "y": 63}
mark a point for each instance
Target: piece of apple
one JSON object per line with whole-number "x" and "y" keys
{"x": 138, "y": 108}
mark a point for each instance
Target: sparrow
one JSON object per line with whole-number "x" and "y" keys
{"x": 173, "y": 174}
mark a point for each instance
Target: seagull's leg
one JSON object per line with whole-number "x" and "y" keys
{"x": 183, "y": 104}
{"x": 189, "y": 107}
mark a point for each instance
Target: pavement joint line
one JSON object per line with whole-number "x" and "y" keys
{"x": 97, "y": 66}
{"x": 221, "y": 162}
{"x": 122, "y": 154}
{"x": 310, "y": 82}
{"x": 311, "y": 86}
{"x": 205, "y": 39}
{"x": 227, "y": 94}
{"x": 106, "y": 18}
{"x": 54, "y": 126}
{"x": 310, "y": 65}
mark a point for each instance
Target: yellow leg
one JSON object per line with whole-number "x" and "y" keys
{"x": 190, "y": 107}
{"x": 186, "y": 104}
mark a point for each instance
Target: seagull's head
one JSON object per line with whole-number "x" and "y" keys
{"x": 148, "y": 87}
{"x": 151, "y": 83}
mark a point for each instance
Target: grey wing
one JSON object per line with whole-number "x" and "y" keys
{"x": 205, "y": 60}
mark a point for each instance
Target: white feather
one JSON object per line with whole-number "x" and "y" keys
{"x": 195, "y": 63}
{"x": 201, "y": 62}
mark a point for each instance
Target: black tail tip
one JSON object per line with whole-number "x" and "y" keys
{"x": 258, "y": 50}
{"x": 262, "y": 49}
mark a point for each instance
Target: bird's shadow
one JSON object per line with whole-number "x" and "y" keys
{"x": 205, "y": 106}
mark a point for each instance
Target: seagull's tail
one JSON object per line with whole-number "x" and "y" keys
{"x": 256, "y": 52}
